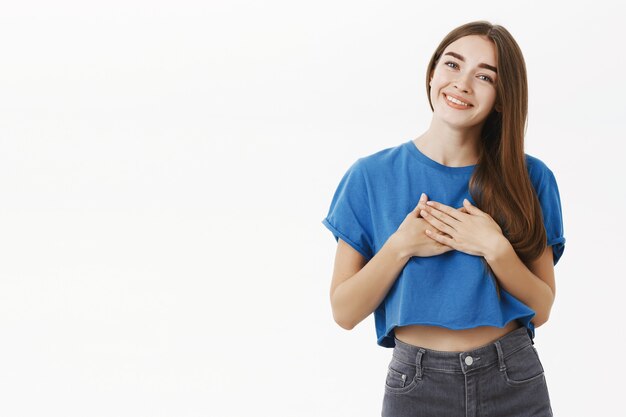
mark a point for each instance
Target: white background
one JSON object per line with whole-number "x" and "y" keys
{"x": 165, "y": 168}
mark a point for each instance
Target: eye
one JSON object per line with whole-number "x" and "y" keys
{"x": 450, "y": 62}
{"x": 487, "y": 78}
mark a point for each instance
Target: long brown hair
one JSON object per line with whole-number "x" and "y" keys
{"x": 500, "y": 185}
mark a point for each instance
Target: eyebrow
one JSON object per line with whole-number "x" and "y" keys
{"x": 481, "y": 65}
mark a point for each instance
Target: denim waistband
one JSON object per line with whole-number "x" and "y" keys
{"x": 465, "y": 361}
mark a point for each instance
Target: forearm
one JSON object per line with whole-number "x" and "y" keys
{"x": 357, "y": 297}
{"x": 518, "y": 280}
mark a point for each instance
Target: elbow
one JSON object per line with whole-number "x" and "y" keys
{"x": 543, "y": 315}
{"x": 539, "y": 321}
{"x": 342, "y": 321}
{"x": 340, "y": 317}
{"x": 344, "y": 325}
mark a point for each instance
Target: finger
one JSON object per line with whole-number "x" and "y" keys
{"x": 471, "y": 209}
{"x": 422, "y": 198}
{"x": 440, "y": 225}
{"x": 446, "y": 209}
{"x": 419, "y": 205}
{"x": 440, "y": 238}
{"x": 453, "y": 213}
{"x": 443, "y": 217}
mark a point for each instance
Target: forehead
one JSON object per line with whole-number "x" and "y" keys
{"x": 474, "y": 48}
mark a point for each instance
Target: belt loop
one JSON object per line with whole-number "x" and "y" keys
{"x": 418, "y": 362}
{"x": 529, "y": 334}
{"x": 500, "y": 355}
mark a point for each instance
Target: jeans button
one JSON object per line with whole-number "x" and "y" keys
{"x": 469, "y": 360}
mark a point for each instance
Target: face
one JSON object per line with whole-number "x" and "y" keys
{"x": 465, "y": 71}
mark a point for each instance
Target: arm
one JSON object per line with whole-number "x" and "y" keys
{"x": 359, "y": 286}
{"x": 534, "y": 287}
{"x": 477, "y": 233}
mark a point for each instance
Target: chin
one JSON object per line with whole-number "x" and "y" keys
{"x": 460, "y": 123}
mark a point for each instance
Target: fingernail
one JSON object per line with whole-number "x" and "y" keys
{"x": 422, "y": 196}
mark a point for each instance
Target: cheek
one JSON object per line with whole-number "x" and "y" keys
{"x": 490, "y": 98}
{"x": 437, "y": 83}
{"x": 440, "y": 78}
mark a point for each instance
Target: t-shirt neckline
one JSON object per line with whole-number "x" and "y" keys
{"x": 414, "y": 150}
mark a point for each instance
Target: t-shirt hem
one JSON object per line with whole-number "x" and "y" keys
{"x": 387, "y": 340}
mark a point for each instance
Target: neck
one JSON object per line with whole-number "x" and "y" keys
{"x": 450, "y": 146}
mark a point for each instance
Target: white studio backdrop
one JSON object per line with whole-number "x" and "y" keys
{"x": 165, "y": 168}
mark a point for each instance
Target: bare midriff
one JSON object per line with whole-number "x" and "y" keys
{"x": 444, "y": 339}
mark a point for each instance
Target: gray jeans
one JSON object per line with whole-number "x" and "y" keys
{"x": 499, "y": 379}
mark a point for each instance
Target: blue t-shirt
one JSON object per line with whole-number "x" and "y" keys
{"x": 453, "y": 289}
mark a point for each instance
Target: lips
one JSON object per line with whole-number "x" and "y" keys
{"x": 464, "y": 100}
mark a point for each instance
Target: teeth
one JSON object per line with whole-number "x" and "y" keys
{"x": 452, "y": 99}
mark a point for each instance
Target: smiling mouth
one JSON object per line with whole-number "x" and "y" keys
{"x": 456, "y": 101}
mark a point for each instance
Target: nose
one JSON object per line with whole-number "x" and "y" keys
{"x": 462, "y": 83}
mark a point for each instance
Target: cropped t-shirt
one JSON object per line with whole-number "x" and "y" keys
{"x": 453, "y": 289}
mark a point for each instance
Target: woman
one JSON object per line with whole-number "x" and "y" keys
{"x": 451, "y": 240}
